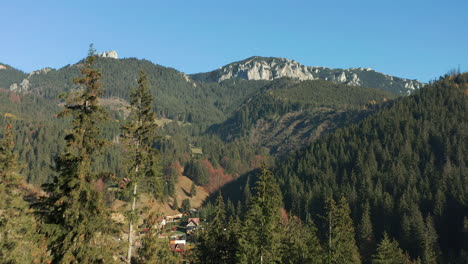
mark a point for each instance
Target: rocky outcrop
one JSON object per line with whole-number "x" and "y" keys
{"x": 3, "y": 67}
{"x": 258, "y": 69}
{"x": 23, "y": 86}
{"x": 263, "y": 68}
{"x": 109, "y": 54}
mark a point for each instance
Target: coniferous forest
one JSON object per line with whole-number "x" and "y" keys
{"x": 104, "y": 161}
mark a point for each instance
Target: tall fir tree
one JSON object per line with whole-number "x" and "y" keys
{"x": 263, "y": 223}
{"x": 365, "y": 234}
{"x": 389, "y": 252}
{"x": 300, "y": 244}
{"x": 19, "y": 242}
{"x": 75, "y": 217}
{"x": 139, "y": 134}
{"x": 342, "y": 246}
{"x": 214, "y": 243}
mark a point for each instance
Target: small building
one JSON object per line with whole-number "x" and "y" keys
{"x": 192, "y": 224}
{"x": 177, "y": 245}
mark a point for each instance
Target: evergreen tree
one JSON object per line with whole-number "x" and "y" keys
{"x": 19, "y": 242}
{"x": 193, "y": 190}
{"x": 185, "y": 207}
{"x": 175, "y": 204}
{"x": 300, "y": 244}
{"x": 365, "y": 234}
{"x": 263, "y": 224}
{"x": 388, "y": 252}
{"x": 139, "y": 134}
{"x": 342, "y": 246}
{"x": 213, "y": 243}
{"x": 76, "y": 219}
{"x": 430, "y": 245}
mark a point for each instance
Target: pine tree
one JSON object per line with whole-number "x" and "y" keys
{"x": 300, "y": 243}
{"x": 430, "y": 246}
{"x": 389, "y": 252}
{"x": 185, "y": 206}
{"x": 19, "y": 242}
{"x": 76, "y": 219}
{"x": 139, "y": 135}
{"x": 263, "y": 223}
{"x": 193, "y": 190}
{"x": 342, "y": 246}
{"x": 218, "y": 241}
{"x": 175, "y": 204}
{"x": 365, "y": 234}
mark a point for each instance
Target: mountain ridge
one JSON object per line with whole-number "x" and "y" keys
{"x": 271, "y": 68}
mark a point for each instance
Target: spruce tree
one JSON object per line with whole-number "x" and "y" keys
{"x": 218, "y": 241}
{"x": 300, "y": 244}
{"x": 342, "y": 246}
{"x": 389, "y": 252}
{"x": 19, "y": 242}
{"x": 139, "y": 135}
{"x": 366, "y": 235}
{"x": 76, "y": 219}
{"x": 193, "y": 190}
{"x": 263, "y": 223}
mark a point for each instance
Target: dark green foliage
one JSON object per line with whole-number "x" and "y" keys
{"x": 10, "y": 75}
{"x": 19, "y": 241}
{"x": 263, "y": 224}
{"x": 197, "y": 171}
{"x": 341, "y": 245}
{"x": 175, "y": 204}
{"x": 218, "y": 241}
{"x": 139, "y": 135}
{"x": 388, "y": 252}
{"x": 193, "y": 190}
{"x": 304, "y": 109}
{"x": 76, "y": 219}
{"x": 300, "y": 244}
{"x": 406, "y": 161}
{"x": 185, "y": 207}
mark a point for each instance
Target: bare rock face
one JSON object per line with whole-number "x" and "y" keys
{"x": 109, "y": 54}
{"x": 2, "y": 67}
{"x": 259, "y": 69}
{"x": 270, "y": 68}
{"x": 23, "y": 87}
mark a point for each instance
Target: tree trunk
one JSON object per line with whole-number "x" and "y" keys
{"x": 130, "y": 233}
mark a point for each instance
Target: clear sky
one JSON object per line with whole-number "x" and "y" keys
{"x": 412, "y": 38}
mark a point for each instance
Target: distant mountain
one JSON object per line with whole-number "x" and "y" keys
{"x": 270, "y": 68}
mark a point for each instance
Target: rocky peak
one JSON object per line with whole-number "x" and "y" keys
{"x": 269, "y": 68}
{"x": 108, "y": 54}
{"x": 260, "y": 68}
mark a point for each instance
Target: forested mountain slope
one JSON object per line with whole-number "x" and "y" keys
{"x": 405, "y": 167}
{"x": 287, "y": 114}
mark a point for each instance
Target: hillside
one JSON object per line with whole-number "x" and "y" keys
{"x": 403, "y": 170}
{"x": 286, "y": 114}
{"x": 407, "y": 163}
{"x": 270, "y": 68}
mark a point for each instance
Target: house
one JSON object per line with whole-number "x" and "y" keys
{"x": 192, "y": 224}
{"x": 177, "y": 245}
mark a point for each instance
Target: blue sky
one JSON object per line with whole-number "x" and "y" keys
{"x": 412, "y": 39}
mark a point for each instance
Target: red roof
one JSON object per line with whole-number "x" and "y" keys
{"x": 195, "y": 220}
